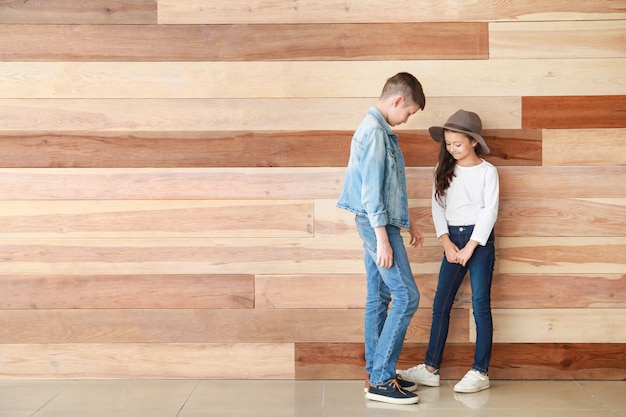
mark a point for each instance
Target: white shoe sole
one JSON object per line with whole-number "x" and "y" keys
{"x": 391, "y": 400}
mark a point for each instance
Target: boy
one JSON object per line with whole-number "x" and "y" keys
{"x": 375, "y": 190}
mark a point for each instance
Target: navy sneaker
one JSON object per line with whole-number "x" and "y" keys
{"x": 391, "y": 392}
{"x": 404, "y": 384}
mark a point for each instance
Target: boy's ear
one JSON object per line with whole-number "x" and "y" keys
{"x": 398, "y": 100}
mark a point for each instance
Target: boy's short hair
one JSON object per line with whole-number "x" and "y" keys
{"x": 407, "y": 86}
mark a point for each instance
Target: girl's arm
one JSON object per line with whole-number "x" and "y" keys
{"x": 384, "y": 253}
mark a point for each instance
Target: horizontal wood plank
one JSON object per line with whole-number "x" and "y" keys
{"x": 302, "y": 79}
{"x": 296, "y": 256}
{"x": 542, "y": 291}
{"x": 148, "y": 361}
{"x": 584, "y": 147}
{"x": 157, "y": 218}
{"x": 311, "y": 11}
{"x": 587, "y": 325}
{"x": 197, "y": 256}
{"x": 282, "y": 183}
{"x": 233, "y": 149}
{"x": 561, "y": 255}
{"x": 43, "y": 291}
{"x": 202, "y": 326}
{"x": 594, "y": 361}
{"x": 79, "y": 12}
{"x": 574, "y": 112}
{"x": 562, "y": 217}
{"x": 262, "y": 42}
{"x": 336, "y": 291}
{"x": 557, "y": 39}
{"x": 46, "y": 115}
{"x": 516, "y": 217}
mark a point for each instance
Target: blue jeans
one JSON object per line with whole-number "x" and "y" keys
{"x": 385, "y": 327}
{"x": 451, "y": 276}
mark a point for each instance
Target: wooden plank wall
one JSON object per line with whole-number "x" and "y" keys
{"x": 169, "y": 170}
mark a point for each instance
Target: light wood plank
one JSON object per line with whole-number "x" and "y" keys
{"x": 126, "y": 291}
{"x": 302, "y": 79}
{"x": 311, "y": 11}
{"x": 79, "y": 12}
{"x": 148, "y": 360}
{"x": 282, "y": 183}
{"x": 584, "y": 147}
{"x": 562, "y": 217}
{"x": 558, "y": 325}
{"x": 575, "y": 39}
{"x": 558, "y": 291}
{"x": 562, "y": 182}
{"x": 203, "y": 326}
{"x": 336, "y": 291}
{"x": 282, "y": 256}
{"x": 34, "y": 115}
{"x": 263, "y": 42}
{"x": 156, "y": 218}
{"x": 561, "y": 255}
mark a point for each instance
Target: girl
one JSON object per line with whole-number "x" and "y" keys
{"x": 464, "y": 209}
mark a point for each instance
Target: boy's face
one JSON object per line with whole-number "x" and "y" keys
{"x": 401, "y": 110}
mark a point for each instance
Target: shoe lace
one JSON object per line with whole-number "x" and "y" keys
{"x": 395, "y": 383}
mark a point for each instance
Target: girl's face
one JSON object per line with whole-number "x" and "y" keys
{"x": 461, "y": 147}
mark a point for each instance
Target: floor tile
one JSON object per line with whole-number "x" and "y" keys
{"x": 255, "y": 398}
{"x": 193, "y": 398}
{"x": 610, "y": 393}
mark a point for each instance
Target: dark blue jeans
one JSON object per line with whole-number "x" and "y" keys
{"x": 480, "y": 267}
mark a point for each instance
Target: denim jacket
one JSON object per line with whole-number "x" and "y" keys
{"x": 375, "y": 182}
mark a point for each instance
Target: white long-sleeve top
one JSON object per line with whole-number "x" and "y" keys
{"x": 472, "y": 199}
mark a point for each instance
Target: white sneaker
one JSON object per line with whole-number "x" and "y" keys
{"x": 473, "y": 381}
{"x": 421, "y": 375}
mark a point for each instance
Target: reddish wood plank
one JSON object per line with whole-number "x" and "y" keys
{"x": 509, "y": 360}
{"x": 79, "y": 12}
{"x": 573, "y": 112}
{"x": 232, "y": 149}
{"x": 375, "y": 41}
{"x": 126, "y": 291}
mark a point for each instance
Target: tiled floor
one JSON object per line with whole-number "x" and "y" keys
{"x": 193, "y": 398}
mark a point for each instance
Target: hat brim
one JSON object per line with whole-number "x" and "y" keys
{"x": 436, "y": 132}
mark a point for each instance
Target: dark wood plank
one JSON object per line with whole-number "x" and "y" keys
{"x": 601, "y": 361}
{"x": 573, "y": 112}
{"x": 79, "y": 12}
{"x": 125, "y": 291}
{"x": 382, "y": 41}
{"x": 325, "y": 148}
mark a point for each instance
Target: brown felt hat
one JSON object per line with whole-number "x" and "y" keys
{"x": 465, "y": 122}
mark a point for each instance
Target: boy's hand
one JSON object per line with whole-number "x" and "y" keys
{"x": 384, "y": 254}
{"x": 417, "y": 239}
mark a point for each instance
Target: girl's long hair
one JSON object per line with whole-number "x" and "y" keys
{"x": 444, "y": 171}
